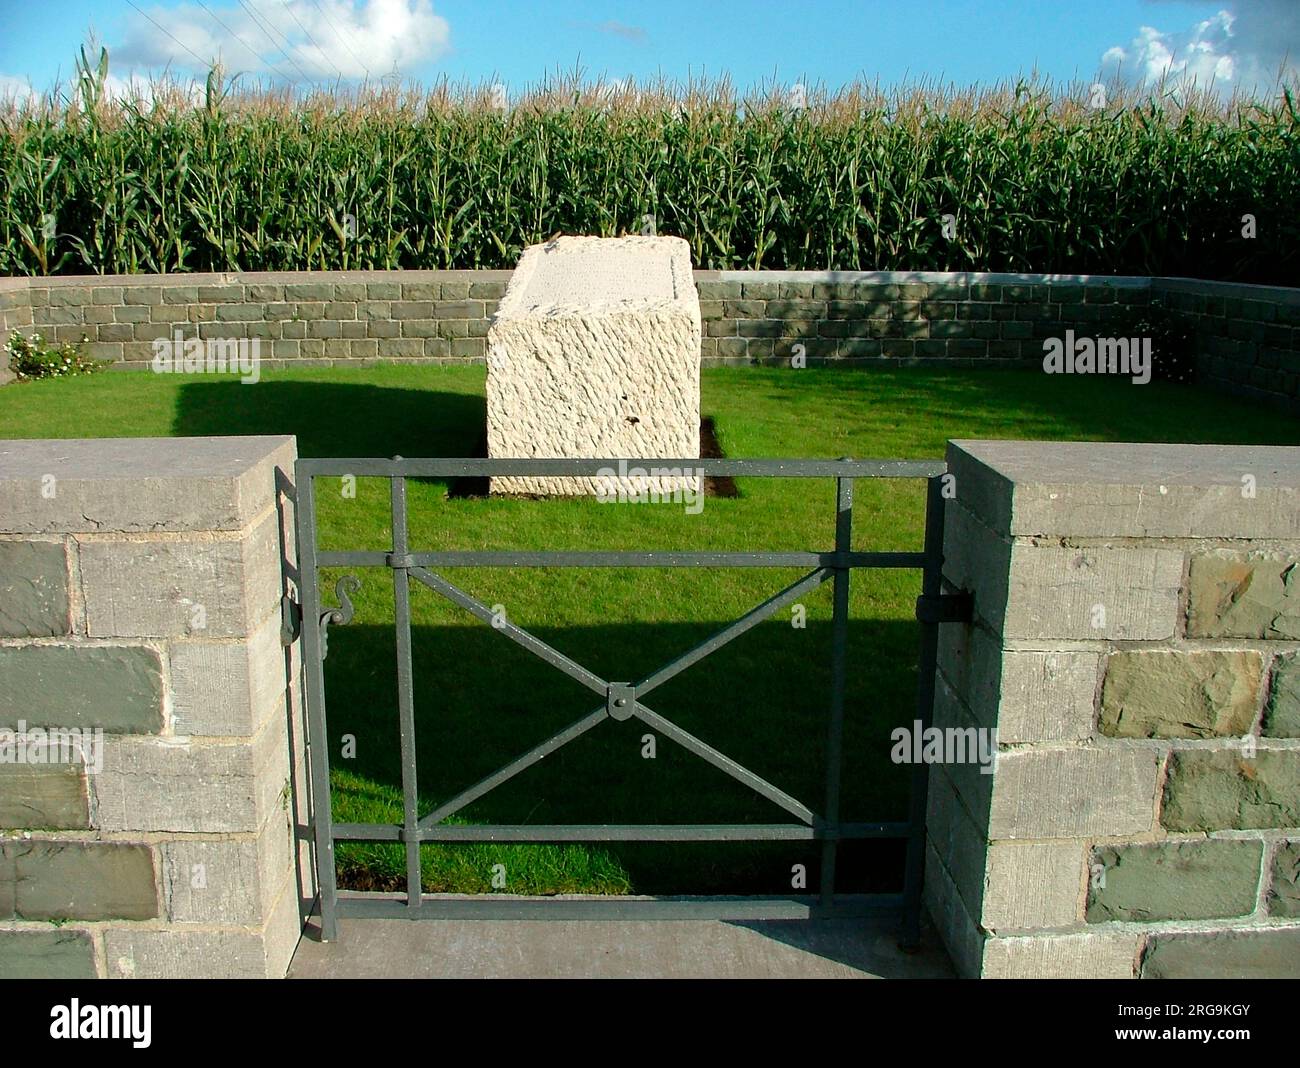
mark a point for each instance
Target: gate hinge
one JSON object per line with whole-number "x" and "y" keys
{"x": 290, "y": 620}
{"x": 945, "y": 608}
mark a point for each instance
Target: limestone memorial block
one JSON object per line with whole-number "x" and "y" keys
{"x": 595, "y": 353}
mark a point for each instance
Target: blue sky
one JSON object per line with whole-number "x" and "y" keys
{"x": 1224, "y": 43}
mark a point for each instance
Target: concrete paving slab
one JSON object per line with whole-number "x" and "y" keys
{"x": 602, "y": 949}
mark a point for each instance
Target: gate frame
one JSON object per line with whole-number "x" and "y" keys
{"x": 932, "y": 608}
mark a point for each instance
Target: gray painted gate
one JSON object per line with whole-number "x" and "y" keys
{"x": 618, "y": 700}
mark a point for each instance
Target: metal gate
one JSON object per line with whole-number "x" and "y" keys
{"x": 618, "y": 700}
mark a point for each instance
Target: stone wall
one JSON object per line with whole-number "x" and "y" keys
{"x": 1247, "y": 337}
{"x": 1136, "y": 647}
{"x": 140, "y": 585}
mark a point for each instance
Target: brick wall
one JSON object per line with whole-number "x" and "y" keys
{"x": 1136, "y": 647}
{"x": 1247, "y": 338}
{"x": 146, "y": 606}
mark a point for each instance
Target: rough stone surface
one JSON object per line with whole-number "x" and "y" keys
{"x": 1259, "y": 954}
{"x": 1062, "y": 793}
{"x": 118, "y": 688}
{"x": 1284, "y": 888}
{"x": 1031, "y": 695}
{"x": 1056, "y": 593}
{"x": 138, "y": 484}
{"x": 1090, "y": 955}
{"x": 201, "y": 588}
{"x": 1215, "y": 790}
{"x": 595, "y": 352}
{"x": 46, "y": 955}
{"x": 33, "y": 589}
{"x": 43, "y": 797}
{"x": 228, "y": 881}
{"x": 1166, "y": 693}
{"x": 166, "y": 785}
{"x": 1244, "y": 595}
{"x": 42, "y": 880}
{"x": 1282, "y": 719}
{"x": 1032, "y": 884}
{"x": 228, "y": 688}
{"x": 1175, "y": 881}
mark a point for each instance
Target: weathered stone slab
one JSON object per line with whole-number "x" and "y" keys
{"x": 1174, "y": 881}
{"x": 117, "y": 688}
{"x": 33, "y": 589}
{"x": 1282, "y": 719}
{"x": 46, "y": 955}
{"x": 1216, "y": 790}
{"x": 46, "y": 880}
{"x": 1244, "y": 595}
{"x": 1163, "y": 693}
{"x": 595, "y": 352}
{"x": 44, "y": 797}
{"x": 1116, "y": 489}
{"x": 1090, "y": 955}
{"x": 228, "y": 688}
{"x": 1284, "y": 889}
{"x": 1032, "y": 884}
{"x": 1225, "y": 955}
{"x": 138, "y": 484}
{"x": 203, "y": 588}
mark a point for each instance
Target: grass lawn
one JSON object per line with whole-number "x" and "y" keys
{"x": 481, "y": 700}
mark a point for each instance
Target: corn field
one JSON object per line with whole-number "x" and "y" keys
{"x": 1016, "y": 178}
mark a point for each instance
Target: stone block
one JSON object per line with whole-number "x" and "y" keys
{"x": 44, "y": 797}
{"x": 1244, "y": 595}
{"x": 184, "y": 785}
{"x": 1258, "y": 954}
{"x": 1063, "y": 793}
{"x": 1175, "y": 881}
{"x": 595, "y": 352}
{"x": 117, "y": 688}
{"x": 228, "y": 688}
{"x": 138, "y": 485}
{"x": 1089, "y": 955}
{"x": 1114, "y": 489}
{"x": 1217, "y": 790}
{"x": 60, "y": 954}
{"x": 1164, "y": 693}
{"x": 41, "y": 880}
{"x": 33, "y": 589}
{"x": 227, "y": 882}
{"x": 1283, "y": 899}
{"x": 1282, "y": 719}
{"x": 1032, "y": 884}
{"x": 217, "y": 588}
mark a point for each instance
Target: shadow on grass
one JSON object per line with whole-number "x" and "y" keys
{"x": 763, "y": 700}
{"x": 335, "y": 418}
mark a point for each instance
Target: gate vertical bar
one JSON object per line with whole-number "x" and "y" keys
{"x": 405, "y": 695}
{"x": 317, "y": 734}
{"x": 931, "y": 586}
{"x": 839, "y": 644}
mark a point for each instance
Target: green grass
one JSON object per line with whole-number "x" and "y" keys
{"x": 480, "y": 700}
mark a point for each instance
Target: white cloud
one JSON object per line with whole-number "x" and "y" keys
{"x": 1244, "y": 46}
{"x": 302, "y": 40}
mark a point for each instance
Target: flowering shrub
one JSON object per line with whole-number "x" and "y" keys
{"x": 30, "y": 358}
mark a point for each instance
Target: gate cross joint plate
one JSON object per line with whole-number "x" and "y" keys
{"x": 620, "y": 700}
